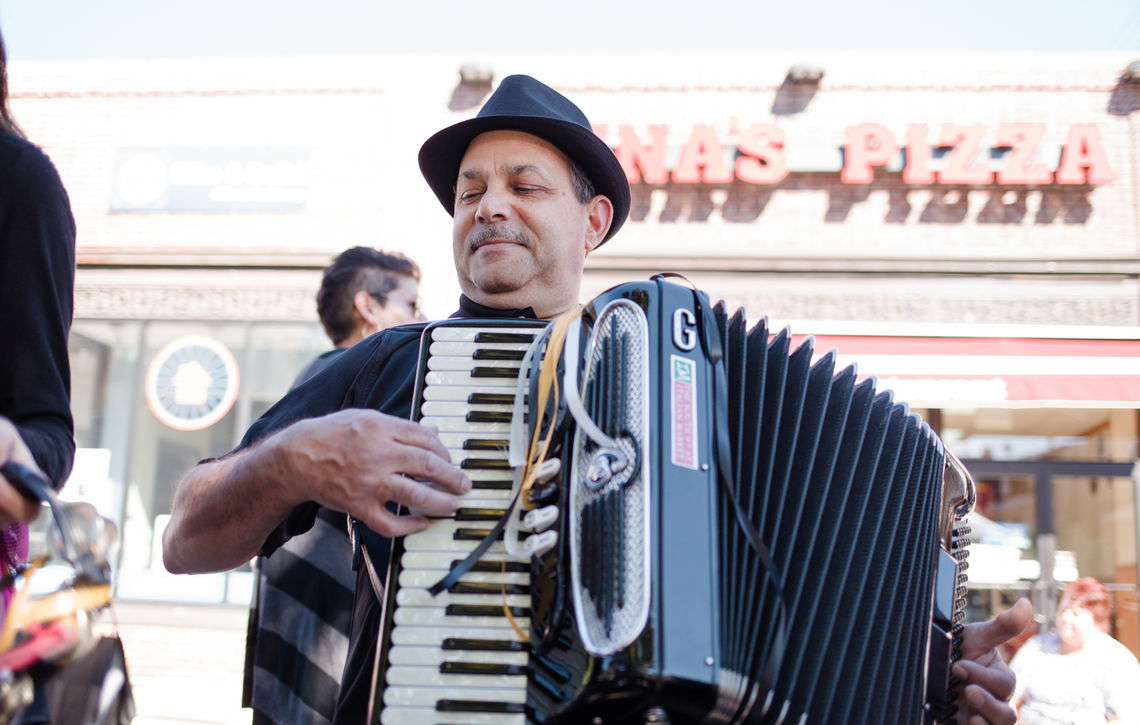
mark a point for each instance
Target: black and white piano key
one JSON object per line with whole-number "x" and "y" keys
{"x": 428, "y": 715}
{"x": 462, "y": 443}
{"x": 473, "y": 394}
{"x": 461, "y": 530}
{"x": 475, "y": 350}
{"x": 414, "y": 597}
{"x": 468, "y": 379}
{"x": 454, "y": 683}
{"x": 440, "y": 636}
{"x": 460, "y": 408}
{"x": 444, "y": 362}
{"x": 474, "y": 429}
{"x": 444, "y": 561}
{"x": 477, "y": 369}
{"x": 425, "y": 578}
{"x": 518, "y": 334}
{"x": 435, "y": 656}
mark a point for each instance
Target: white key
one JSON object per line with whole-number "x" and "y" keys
{"x": 458, "y": 393}
{"x": 485, "y": 498}
{"x": 447, "y": 362}
{"x": 461, "y": 425}
{"x": 434, "y": 636}
{"x": 468, "y": 349}
{"x": 447, "y": 526}
{"x": 432, "y": 677}
{"x": 431, "y": 616}
{"x": 440, "y": 560}
{"x": 435, "y": 656}
{"x": 424, "y": 579}
{"x": 424, "y": 541}
{"x": 409, "y": 597}
{"x": 429, "y": 716}
{"x": 441, "y": 377}
{"x": 458, "y": 408}
{"x": 460, "y": 333}
{"x": 428, "y": 696}
{"x": 485, "y": 474}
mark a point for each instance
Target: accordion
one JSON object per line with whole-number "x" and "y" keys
{"x": 733, "y": 532}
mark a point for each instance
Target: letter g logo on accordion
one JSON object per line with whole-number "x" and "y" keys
{"x": 684, "y": 329}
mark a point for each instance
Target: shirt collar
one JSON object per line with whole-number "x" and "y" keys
{"x": 470, "y": 308}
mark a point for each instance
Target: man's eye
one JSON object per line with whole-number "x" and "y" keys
{"x": 468, "y": 195}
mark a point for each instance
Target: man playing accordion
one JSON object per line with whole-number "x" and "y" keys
{"x": 532, "y": 191}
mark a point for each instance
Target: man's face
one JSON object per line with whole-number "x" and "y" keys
{"x": 402, "y": 305}
{"x": 520, "y": 234}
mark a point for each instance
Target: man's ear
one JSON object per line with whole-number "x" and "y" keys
{"x": 600, "y": 214}
{"x": 363, "y": 303}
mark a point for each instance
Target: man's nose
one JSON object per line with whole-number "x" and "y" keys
{"x": 494, "y": 205}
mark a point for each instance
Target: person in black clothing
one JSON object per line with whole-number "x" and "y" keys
{"x": 37, "y": 280}
{"x": 297, "y": 639}
{"x": 532, "y": 191}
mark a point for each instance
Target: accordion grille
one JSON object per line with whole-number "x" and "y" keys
{"x": 609, "y": 509}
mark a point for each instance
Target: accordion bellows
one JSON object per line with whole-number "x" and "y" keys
{"x": 761, "y": 538}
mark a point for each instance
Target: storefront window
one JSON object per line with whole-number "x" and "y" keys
{"x": 153, "y": 398}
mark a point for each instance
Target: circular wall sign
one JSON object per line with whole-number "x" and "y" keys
{"x": 192, "y": 382}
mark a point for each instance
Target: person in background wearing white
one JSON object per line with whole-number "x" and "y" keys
{"x": 1078, "y": 673}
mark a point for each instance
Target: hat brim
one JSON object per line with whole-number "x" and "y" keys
{"x": 441, "y": 155}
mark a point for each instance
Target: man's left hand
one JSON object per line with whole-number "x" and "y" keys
{"x": 988, "y": 680}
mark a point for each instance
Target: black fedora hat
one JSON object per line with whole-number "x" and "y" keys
{"x": 521, "y": 103}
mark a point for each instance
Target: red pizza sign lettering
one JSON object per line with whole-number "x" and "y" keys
{"x": 960, "y": 152}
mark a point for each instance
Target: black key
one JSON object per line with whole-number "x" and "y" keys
{"x": 489, "y": 416}
{"x": 511, "y": 566}
{"x": 498, "y": 354}
{"x": 485, "y": 464}
{"x": 492, "y": 485}
{"x": 504, "y": 337}
{"x": 483, "y": 645}
{"x": 491, "y": 399}
{"x": 485, "y": 444}
{"x": 483, "y": 610}
{"x": 477, "y": 514}
{"x": 480, "y": 668}
{"x": 482, "y": 372}
{"x": 478, "y": 706}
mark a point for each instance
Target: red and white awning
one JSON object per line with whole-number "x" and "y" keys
{"x": 1016, "y": 372}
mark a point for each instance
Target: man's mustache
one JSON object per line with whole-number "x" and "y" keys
{"x": 486, "y": 234}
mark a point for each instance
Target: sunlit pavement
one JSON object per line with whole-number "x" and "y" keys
{"x": 184, "y": 662}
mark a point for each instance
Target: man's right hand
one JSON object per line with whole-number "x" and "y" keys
{"x": 357, "y": 461}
